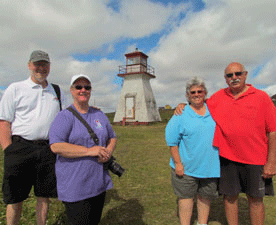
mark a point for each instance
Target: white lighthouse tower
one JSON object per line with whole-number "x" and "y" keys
{"x": 137, "y": 104}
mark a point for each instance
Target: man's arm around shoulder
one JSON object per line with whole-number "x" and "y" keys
{"x": 5, "y": 134}
{"x": 270, "y": 166}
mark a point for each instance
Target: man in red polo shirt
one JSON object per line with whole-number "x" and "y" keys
{"x": 246, "y": 138}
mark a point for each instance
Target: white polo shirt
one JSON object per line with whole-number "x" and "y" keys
{"x": 30, "y": 108}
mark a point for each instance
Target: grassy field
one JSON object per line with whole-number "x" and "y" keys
{"x": 143, "y": 195}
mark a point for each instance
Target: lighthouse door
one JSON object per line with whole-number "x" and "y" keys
{"x": 130, "y": 107}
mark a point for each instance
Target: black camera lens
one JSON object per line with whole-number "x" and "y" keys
{"x": 114, "y": 167}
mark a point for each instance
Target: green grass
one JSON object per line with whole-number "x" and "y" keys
{"x": 143, "y": 195}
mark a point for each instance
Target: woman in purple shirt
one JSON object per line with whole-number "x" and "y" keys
{"x": 82, "y": 180}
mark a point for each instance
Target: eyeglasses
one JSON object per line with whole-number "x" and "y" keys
{"x": 199, "y": 92}
{"x": 79, "y": 87}
{"x": 232, "y": 74}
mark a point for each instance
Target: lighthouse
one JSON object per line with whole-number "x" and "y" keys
{"x": 136, "y": 104}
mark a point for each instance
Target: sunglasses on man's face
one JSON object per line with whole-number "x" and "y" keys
{"x": 79, "y": 87}
{"x": 193, "y": 92}
{"x": 232, "y": 74}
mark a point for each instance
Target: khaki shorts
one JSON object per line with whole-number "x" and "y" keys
{"x": 188, "y": 187}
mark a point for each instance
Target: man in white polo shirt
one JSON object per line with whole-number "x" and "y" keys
{"x": 27, "y": 110}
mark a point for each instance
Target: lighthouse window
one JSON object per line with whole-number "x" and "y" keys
{"x": 143, "y": 61}
{"x": 134, "y": 60}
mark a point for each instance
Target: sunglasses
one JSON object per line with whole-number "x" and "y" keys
{"x": 79, "y": 87}
{"x": 232, "y": 74}
{"x": 43, "y": 64}
{"x": 199, "y": 92}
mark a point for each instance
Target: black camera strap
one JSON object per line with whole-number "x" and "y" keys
{"x": 90, "y": 131}
{"x": 118, "y": 170}
{"x": 57, "y": 90}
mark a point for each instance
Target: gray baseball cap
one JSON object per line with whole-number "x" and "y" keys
{"x": 39, "y": 55}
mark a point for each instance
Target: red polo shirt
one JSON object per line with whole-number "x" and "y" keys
{"x": 243, "y": 124}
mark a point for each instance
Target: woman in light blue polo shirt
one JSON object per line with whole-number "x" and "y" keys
{"x": 194, "y": 161}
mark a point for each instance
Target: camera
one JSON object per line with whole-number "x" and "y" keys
{"x": 114, "y": 167}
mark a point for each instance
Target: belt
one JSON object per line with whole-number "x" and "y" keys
{"x": 35, "y": 142}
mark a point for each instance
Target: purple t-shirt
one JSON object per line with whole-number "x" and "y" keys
{"x": 84, "y": 177}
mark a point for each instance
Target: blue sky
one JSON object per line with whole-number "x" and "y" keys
{"x": 144, "y": 44}
{"x": 182, "y": 39}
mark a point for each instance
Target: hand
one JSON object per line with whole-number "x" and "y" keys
{"x": 5, "y": 146}
{"x": 99, "y": 151}
{"x": 109, "y": 150}
{"x": 179, "y": 169}
{"x": 269, "y": 170}
{"x": 105, "y": 156}
{"x": 179, "y": 108}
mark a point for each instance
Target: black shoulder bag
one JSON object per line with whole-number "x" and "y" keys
{"x": 111, "y": 164}
{"x": 57, "y": 90}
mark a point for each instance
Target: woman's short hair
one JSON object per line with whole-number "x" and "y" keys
{"x": 194, "y": 82}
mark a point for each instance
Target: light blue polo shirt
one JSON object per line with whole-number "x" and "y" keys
{"x": 194, "y": 135}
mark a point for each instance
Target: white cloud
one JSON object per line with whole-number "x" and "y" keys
{"x": 267, "y": 74}
{"x": 63, "y": 28}
{"x": 1, "y": 93}
{"x": 207, "y": 41}
{"x": 200, "y": 44}
{"x": 271, "y": 90}
{"x": 77, "y": 25}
